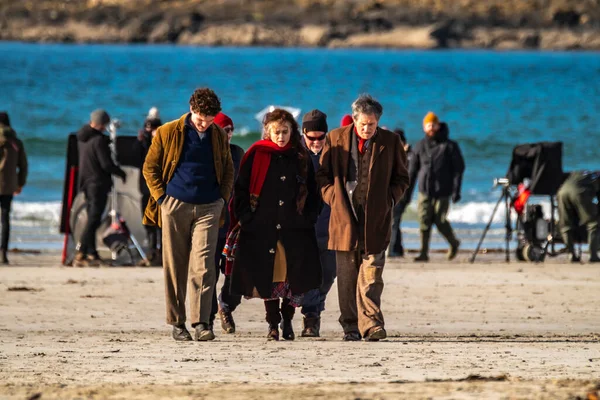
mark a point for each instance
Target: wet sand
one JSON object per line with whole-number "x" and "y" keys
{"x": 456, "y": 330}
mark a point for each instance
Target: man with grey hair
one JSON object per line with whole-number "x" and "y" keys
{"x": 362, "y": 176}
{"x": 96, "y": 168}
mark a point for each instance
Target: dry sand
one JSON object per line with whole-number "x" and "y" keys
{"x": 487, "y": 330}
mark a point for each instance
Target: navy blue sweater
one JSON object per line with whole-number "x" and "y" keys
{"x": 195, "y": 179}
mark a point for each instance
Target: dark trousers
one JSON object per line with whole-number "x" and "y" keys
{"x": 95, "y": 204}
{"x": 313, "y": 303}
{"x": 226, "y": 300}
{"x": 5, "y": 204}
{"x": 396, "y": 247}
{"x": 274, "y": 313}
{"x": 151, "y": 231}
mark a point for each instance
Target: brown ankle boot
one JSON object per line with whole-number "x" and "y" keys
{"x": 273, "y": 333}
{"x": 312, "y": 326}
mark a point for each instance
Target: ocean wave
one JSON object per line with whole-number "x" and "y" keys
{"x": 481, "y": 212}
{"x": 469, "y": 213}
{"x": 31, "y": 212}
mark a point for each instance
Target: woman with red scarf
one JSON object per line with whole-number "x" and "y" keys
{"x": 276, "y": 203}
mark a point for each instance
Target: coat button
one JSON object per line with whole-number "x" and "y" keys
{"x": 278, "y": 226}
{"x": 280, "y": 202}
{"x": 283, "y": 178}
{"x": 272, "y": 251}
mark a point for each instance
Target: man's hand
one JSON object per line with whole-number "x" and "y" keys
{"x": 18, "y": 191}
{"x": 123, "y": 177}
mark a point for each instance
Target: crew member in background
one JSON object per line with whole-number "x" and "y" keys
{"x": 314, "y": 130}
{"x": 226, "y": 303}
{"x": 142, "y": 145}
{"x": 96, "y": 168}
{"x": 576, "y": 207}
{"x": 438, "y": 165}
{"x": 396, "y": 248}
{"x": 13, "y": 175}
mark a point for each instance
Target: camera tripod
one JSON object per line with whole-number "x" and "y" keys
{"x": 118, "y": 235}
{"x": 505, "y": 197}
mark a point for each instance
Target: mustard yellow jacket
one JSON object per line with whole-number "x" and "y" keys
{"x": 163, "y": 157}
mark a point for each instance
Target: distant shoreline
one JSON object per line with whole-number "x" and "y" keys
{"x": 395, "y": 24}
{"x": 402, "y": 37}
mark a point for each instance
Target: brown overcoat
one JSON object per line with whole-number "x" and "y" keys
{"x": 163, "y": 157}
{"x": 388, "y": 179}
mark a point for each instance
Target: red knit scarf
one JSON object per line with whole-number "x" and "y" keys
{"x": 262, "y": 159}
{"x": 361, "y": 142}
{"x": 263, "y": 149}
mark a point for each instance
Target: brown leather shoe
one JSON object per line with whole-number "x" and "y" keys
{"x": 273, "y": 333}
{"x": 312, "y": 326}
{"x": 227, "y": 322}
{"x": 375, "y": 334}
{"x": 204, "y": 333}
{"x": 80, "y": 260}
{"x": 181, "y": 334}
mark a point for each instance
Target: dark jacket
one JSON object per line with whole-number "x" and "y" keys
{"x": 140, "y": 148}
{"x": 388, "y": 179}
{"x": 12, "y": 158}
{"x": 276, "y": 219}
{"x": 163, "y": 157}
{"x": 95, "y": 162}
{"x": 237, "y": 153}
{"x": 401, "y": 206}
{"x": 322, "y": 225}
{"x": 438, "y": 165}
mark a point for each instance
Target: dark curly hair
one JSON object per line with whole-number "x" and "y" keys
{"x": 205, "y": 101}
{"x": 282, "y": 116}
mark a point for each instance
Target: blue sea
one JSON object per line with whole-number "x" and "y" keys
{"x": 492, "y": 102}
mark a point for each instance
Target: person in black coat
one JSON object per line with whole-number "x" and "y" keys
{"x": 396, "y": 248}
{"x": 277, "y": 204}
{"x": 96, "y": 168}
{"x": 438, "y": 165}
{"x": 141, "y": 147}
{"x": 314, "y": 130}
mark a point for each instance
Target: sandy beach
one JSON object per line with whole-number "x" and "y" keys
{"x": 456, "y": 331}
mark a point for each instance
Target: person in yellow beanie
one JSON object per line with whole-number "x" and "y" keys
{"x": 438, "y": 165}
{"x": 430, "y": 118}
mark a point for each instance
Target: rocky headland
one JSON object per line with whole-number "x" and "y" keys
{"x": 419, "y": 24}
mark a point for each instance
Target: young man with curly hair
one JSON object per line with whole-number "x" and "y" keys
{"x": 189, "y": 172}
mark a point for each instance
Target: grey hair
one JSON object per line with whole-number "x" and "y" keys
{"x": 366, "y": 104}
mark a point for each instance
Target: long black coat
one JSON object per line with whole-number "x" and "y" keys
{"x": 276, "y": 219}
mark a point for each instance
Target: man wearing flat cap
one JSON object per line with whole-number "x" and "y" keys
{"x": 96, "y": 168}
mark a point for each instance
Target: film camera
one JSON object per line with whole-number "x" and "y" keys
{"x": 535, "y": 169}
